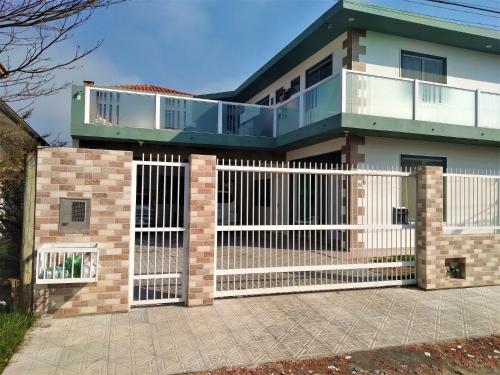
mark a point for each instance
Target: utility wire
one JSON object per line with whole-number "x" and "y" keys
{"x": 453, "y": 10}
{"x": 469, "y": 6}
{"x": 496, "y": 26}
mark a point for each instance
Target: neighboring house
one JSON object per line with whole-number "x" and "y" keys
{"x": 362, "y": 84}
{"x": 10, "y": 119}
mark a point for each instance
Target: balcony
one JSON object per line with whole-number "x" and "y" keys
{"x": 349, "y": 92}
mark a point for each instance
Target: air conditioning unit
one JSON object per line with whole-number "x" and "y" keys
{"x": 62, "y": 263}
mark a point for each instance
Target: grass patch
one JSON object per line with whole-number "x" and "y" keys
{"x": 9, "y": 260}
{"x": 13, "y": 327}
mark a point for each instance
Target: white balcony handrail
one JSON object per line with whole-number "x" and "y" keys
{"x": 489, "y": 92}
{"x": 378, "y": 75}
{"x": 312, "y": 87}
{"x": 291, "y": 98}
{"x": 246, "y": 104}
{"x": 299, "y": 95}
{"x": 417, "y": 80}
{"x": 181, "y": 97}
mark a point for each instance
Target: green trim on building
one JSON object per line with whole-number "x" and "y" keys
{"x": 415, "y": 129}
{"x": 172, "y": 137}
{"x": 335, "y": 21}
{"x": 335, "y": 126}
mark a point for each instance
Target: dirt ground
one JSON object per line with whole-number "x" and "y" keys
{"x": 479, "y": 356}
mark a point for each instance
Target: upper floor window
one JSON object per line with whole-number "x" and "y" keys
{"x": 295, "y": 86}
{"x": 423, "y": 67}
{"x": 280, "y": 95}
{"x": 319, "y": 72}
{"x": 263, "y": 101}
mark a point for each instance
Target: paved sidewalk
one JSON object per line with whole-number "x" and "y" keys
{"x": 246, "y": 331}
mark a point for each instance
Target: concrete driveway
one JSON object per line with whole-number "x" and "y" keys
{"x": 248, "y": 331}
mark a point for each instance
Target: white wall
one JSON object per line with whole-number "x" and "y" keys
{"x": 465, "y": 68}
{"x": 316, "y": 149}
{"x": 386, "y": 152}
{"x": 334, "y": 47}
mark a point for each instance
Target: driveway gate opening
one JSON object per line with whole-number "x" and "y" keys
{"x": 285, "y": 227}
{"x": 158, "y": 241}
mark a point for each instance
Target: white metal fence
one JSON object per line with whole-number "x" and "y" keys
{"x": 472, "y": 201}
{"x": 284, "y": 227}
{"x": 158, "y": 244}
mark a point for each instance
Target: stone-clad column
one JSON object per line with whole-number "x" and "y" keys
{"x": 429, "y": 224}
{"x": 202, "y": 231}
{"x": 103, "y": 178}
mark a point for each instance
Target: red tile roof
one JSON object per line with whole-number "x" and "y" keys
{"x": 152, "y": 88}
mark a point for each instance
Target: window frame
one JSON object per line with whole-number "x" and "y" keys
{"x": 281, "y": 91}
{"x": 425, "y": 157}
{"x": 444, "y": 160}
{"x": 420, "y": 55}
{"x": 295, "y": 81}
{"x": 263, "y": 101}
{"x": 319, "y": 65}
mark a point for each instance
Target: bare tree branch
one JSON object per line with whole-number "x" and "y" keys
{"x": 29, "y": 31}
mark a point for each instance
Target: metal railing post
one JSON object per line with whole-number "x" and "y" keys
{"x": 415, "y": 98}
{"x": 343, "y": 98}
{"x": 219, "y": 118}
{"x": 86, "y": 115}
{"x": 275, "y": 121}
{"x": 157, "y": 112}
{"x": 478, "y": 93}
{"x": 301, "y": 109}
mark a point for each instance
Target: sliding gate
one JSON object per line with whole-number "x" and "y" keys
{"x": 285, "y": 227}
{"x": 158, "y": 227}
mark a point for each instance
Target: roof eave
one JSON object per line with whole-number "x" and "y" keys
{"x": 335, "y": 21}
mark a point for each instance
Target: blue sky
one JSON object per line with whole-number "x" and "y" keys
{"x": 197, "y": 46}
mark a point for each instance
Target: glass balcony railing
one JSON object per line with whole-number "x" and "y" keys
{"x": 245, "y": 119}
{"x": 322, "y": 101}
{"x": 438, "y": 103}
{"x": 288, "y": 116}
{"x": 122, "y": 108}
{"x": 489, "y": 110}
{"x": 182, "y": 114}
{"x": 378, "y": 96}
{"x": 349, "y": 92}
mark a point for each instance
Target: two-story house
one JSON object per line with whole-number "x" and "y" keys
{"x": 361, "y": 85}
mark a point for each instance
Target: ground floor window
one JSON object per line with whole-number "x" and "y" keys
{"x": 409, "y": 190}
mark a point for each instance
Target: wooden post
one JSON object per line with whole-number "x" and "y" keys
{"x": 27, "y": 249}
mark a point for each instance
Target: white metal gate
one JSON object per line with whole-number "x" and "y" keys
{"x": 286, "y": 227}
{"x": 158, "y": 224}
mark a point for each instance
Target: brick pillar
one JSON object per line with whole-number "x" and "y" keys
{"x": 201, "y": 232}
{"x": 429, "y": 224}
{"x": 103, "y": 177}
{"x": 352, "y": 156}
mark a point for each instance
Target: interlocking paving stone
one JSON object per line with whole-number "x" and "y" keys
{"x": 246, "y": 331}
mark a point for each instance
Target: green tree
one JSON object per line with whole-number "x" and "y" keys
{"x": 15, "y": 144}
